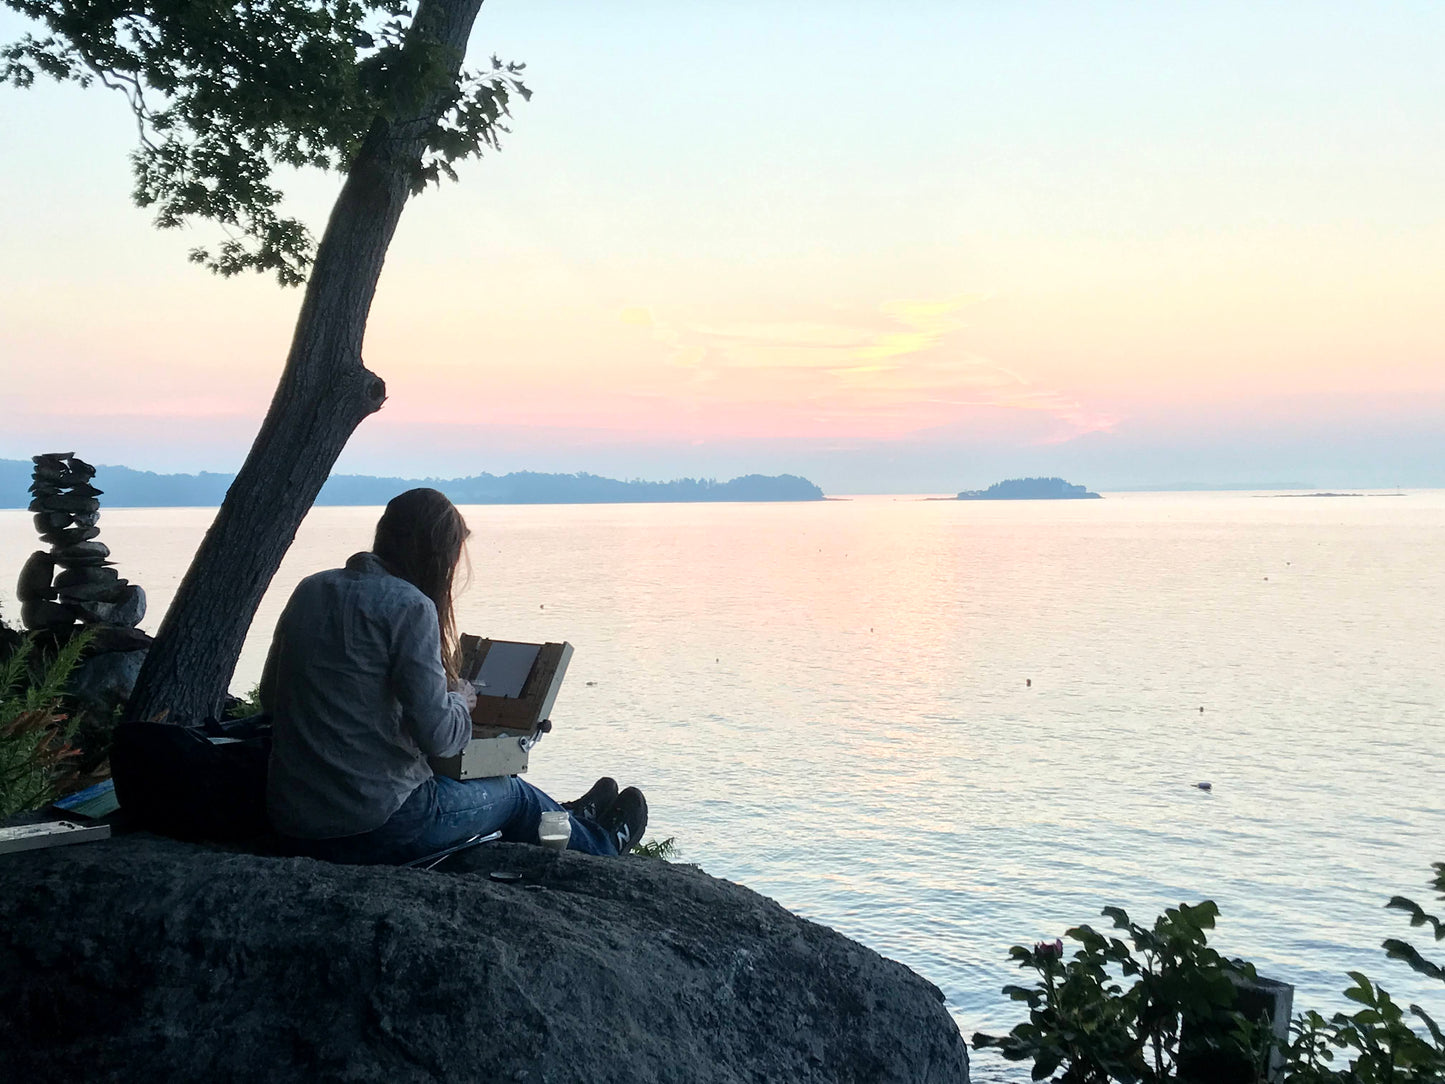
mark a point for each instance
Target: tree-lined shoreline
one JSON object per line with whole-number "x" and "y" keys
{"x": 125, "y": 487}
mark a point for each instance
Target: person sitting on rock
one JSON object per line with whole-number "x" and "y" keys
{"x": 362, "y": 687}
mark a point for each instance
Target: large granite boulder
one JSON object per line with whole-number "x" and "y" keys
{"x": 145, "y": 959}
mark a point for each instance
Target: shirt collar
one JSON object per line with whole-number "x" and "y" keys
{"x": 366, "y": 562}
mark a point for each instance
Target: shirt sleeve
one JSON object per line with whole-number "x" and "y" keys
{"x": 437, "y": 719}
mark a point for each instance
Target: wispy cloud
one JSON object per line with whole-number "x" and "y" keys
{"x": 902, "y": 368}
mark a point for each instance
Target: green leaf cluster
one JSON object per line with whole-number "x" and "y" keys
{"x": 1125, "y": 1008}
{"x": 224, "y": 92}
{"x": 243, "y": 706}
{"x": 665, "y": 849}
{"x": 1158, "y": 1003}
{"x": 1378, "y": 1039}
{"x": 1396, "y": 949}
{"x": 34, "y": 732}
{"x": 1383, "y": 1048}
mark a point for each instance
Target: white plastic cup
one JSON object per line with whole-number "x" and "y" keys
{"x": 555, "y": 830}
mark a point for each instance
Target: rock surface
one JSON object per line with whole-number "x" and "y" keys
{"x": 107, "y": 638}
{"x": 128, "y": 609}
{"x": 105, "y": 680}
{"x": 94, "y": 592}
{"x": 34, "y": 584}
{"x": 68, "y": 536}
{"x": 147, "y": 959}
{"x": 45, "y": 616}
{"x": 53, "y": 521}
{"x": 89, "y": 552}
{"x": 72, "y": 577}
{"x": 87, "y": 587}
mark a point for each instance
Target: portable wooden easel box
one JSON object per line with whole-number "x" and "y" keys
{"x": 516, "y": 686}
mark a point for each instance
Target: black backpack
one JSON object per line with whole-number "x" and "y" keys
{"x": 205, "y": 782}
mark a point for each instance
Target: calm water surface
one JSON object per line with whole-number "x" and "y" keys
{"x": 831, "y": 703}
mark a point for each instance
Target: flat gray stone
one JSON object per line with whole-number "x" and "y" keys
{"x": 68, "y": 536}
{"x": 74, "y": 503}
{"x": 82, "y": 553}
{"x": 128, "y": 611}
{"x": 34, "y": 583}
{"x": 72, "y": 484}
{"x": 42, "y": 615}
{"x": 72, "y": 577}
{"x": 52, "y": 521}
{"x": 61, "y": 476}
{"x": 115, "y": 591}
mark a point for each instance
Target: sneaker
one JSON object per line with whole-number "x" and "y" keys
{"x": 627, "y": 819}
{"x": 596, "y": 802}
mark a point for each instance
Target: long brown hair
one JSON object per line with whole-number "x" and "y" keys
{"x": 420, "y": 538}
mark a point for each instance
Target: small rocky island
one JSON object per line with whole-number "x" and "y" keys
{"x": 1029, "y": 489}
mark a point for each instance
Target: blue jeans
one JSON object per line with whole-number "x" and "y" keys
{"x": 443, "y": 811}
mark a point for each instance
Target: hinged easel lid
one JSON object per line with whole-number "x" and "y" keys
{"x": 516, "y": 683}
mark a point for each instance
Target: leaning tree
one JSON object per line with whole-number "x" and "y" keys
{"x": 224, "y": 92}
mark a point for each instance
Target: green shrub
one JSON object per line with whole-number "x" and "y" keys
{"x": 1084, "y": 1019}
{"x": 1181, "y": 1003}
{"x": 243, "y": 706}
{"x": 35, "y": 732}
{"x": 1382, "y": 1046}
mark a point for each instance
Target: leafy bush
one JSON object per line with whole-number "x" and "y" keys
{"x": 35, "y": 733}
{"x": 665, "y": 849}
{"x": 241, "y": 707}
{"x": 1396, "y": 949}
{"x": 1184, "y": 1009}
{"x": 1385, "y": 1049}
{"x": 1082, "y": 1017}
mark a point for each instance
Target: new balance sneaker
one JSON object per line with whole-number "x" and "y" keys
{"x": 627, "y": 819}
{"x": 596, "y": 802}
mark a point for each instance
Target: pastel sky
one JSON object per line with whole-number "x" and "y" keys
{"x": 908, "y": 246}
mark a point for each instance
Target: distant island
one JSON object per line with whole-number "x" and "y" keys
{"x": 127, "y": 488}
{"x": 1277, "y": 496}
{"x": 1029, "y": 489}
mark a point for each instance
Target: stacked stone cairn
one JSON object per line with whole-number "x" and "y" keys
{"x": 86, "y": 592}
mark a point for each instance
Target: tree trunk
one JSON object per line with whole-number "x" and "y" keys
{"x": 324, "y": 394}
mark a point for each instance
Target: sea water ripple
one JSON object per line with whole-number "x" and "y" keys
{"x": 944, "y": 728}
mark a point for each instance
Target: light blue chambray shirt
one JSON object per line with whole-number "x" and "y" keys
{"x": 355, "y": 684}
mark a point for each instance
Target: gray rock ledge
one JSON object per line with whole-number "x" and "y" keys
{"x": 141, "y": 958}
